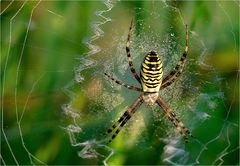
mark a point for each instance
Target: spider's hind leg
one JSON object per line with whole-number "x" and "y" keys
{"x": 120, "y": 120}
{"x": 120, "y": 127}
{"x": 124, "y": 119}
{"x": 172, "y": 117}
{"x": 179, "y": 125}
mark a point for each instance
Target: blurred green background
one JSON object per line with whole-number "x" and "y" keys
{"x": 45, "y": 45}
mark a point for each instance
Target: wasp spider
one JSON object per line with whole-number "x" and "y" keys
{"x": 151, "y": 80}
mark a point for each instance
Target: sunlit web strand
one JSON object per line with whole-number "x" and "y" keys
{"x": 2, "y": 160}
{"x": 18, "y": 67}
{"x": 231, "y": 25}
{"x": 6, "y": 7}
{"x": 221, "y": 131}
{"x": 4, "y": 79}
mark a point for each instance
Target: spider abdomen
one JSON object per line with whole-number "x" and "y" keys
{"x": 151, "y": 73}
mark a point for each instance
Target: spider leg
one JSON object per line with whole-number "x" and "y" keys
{"x": 124, "y": 118}
{"x": 123, "y": 84}
{"x": 120, "y": 120}
{"x": 130, "y": 56}
{"x": 179, "y": 67}
{"x": 169, "y": 82}
{"x": 172, "y": 117}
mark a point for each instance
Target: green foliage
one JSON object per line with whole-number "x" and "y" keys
{"x": 37, "y": 64}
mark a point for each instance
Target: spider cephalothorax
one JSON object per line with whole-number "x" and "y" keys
{"x": 151, "y": 80}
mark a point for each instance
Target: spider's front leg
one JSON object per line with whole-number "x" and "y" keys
{"x": 130, "y": 56}
{"x": 124, "y": 119}
{"x": 170, "y": 78}
{"x": 172, "y": 117}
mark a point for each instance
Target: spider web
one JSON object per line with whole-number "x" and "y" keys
{"x": 205, "y": 97}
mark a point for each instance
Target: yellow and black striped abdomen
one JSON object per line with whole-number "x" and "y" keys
{"x": 151, "y": 73}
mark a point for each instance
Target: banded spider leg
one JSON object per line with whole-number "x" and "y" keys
{"x": 172, "y": 117}
{"x": 172, "y": 77}
{"x": 123, "y": 84}
{"x": 124, "y": 119}
{"x": 130, "y": 56}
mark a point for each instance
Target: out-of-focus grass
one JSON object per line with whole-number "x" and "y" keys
{"x": 54, "y": 42}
